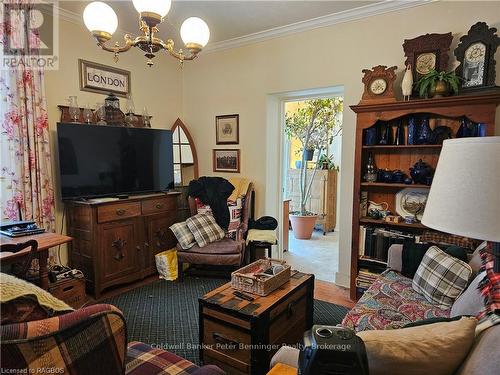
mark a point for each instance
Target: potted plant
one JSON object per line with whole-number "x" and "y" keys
{"x": 437, "y": 84}
{"x": 314, "y": 124}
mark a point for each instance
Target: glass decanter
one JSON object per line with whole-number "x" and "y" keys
{"x": 101, "y": 113}
{"x": 87, "y": 114}
{"x": 74, "y": 110}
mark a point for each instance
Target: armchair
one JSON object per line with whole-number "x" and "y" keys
{"x": 226, "y": 252}
{"x": 92, "y": 340}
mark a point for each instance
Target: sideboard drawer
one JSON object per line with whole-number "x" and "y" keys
{"x": 118, "y": 211}
{"x": 153, "y": 206}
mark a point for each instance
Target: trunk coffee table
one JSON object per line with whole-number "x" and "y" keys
{"x": 241, "y": 336}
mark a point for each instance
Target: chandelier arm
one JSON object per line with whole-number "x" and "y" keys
{"x": 129, "y": 43}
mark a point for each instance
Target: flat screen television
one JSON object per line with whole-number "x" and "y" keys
{"x": 100, "y": 161}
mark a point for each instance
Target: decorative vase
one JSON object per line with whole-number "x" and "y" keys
{"x": 440, "y": 90}
{"x": 407, "y": 83}
{"x": 399, "y": 139}
{"x": 424, "y": 133}
{"x": 308, "y": 154}
{"x": 385, "y": 134}
{"x": 411, "y": 130}
{"x": 303, "y": 226}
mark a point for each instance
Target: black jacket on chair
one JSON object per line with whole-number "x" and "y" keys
{"x": 213, "y": 191}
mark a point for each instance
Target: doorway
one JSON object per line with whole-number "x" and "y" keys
{"x": 310, "y": 181}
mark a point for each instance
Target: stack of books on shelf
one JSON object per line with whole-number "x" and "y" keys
{"x": 365, "y": 278}
{"x": 374, "y": 242}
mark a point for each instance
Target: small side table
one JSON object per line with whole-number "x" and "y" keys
{"x": 254, "y": 245}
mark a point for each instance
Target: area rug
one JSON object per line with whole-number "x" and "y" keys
{"x": 165, "y": 314}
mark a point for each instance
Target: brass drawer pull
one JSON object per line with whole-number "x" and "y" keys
{"x": 120, "y": 212}
{"x": 231, "y": 345}
{"x": 159, "y": 206}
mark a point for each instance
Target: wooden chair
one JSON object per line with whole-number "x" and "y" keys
{"x": 20, "y": 269}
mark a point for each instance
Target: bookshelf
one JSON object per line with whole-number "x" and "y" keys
{"x": 479, "y": 108}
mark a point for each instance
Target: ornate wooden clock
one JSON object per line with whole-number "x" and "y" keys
{"x": 476, "y": 54}
{"x": 427, "y": 52}
{"x": 379, "y": 85}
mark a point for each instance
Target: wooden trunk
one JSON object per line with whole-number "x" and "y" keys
{"x": 116, "y": 242}
{"x": 323, "y": 201}
{"x": 242, "y": 336}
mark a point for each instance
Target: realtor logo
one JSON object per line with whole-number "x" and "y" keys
{"x": 29, "y": 33}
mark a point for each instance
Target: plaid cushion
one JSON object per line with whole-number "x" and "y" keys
{"x": 183, "y": 234}
{"x": 441, "y": 278}
{"x": 440, "y": 238}
{"x": 142, "y": 359}
{"x": 490, "y": 286}
{"x": 91, "y": 340}
{"x": 235, "y": 209}
{"x": 204, "y": 229}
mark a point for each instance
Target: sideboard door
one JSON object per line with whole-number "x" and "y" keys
{"x": 159, "y": 238}
{"x": 120, "y": 252}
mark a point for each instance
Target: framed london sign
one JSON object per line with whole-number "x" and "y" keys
{"x": 103, "y": 79}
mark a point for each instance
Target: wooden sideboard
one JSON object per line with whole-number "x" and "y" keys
{"x": 323, "y": 199}
{"x": 116, "y": 242}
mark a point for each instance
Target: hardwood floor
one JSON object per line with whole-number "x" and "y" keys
{"x": 324, "y": 291}
{"x": 332, "y": 293}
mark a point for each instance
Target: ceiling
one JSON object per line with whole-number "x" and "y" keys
{"x": 226, "y": 19}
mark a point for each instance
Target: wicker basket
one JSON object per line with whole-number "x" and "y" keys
{"x": 245, "y": 280}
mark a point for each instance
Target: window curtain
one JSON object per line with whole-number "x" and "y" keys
{"x": 26, "y": 183}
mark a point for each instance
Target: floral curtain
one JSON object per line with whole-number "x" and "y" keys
{"x": 25, "y": 157}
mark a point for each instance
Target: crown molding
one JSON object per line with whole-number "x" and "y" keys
{"x": 365, "y": 11}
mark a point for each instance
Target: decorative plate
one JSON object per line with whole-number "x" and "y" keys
{"x": 411, "y": 202}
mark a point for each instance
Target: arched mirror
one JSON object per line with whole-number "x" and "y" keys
{"x": 185, "y": 158}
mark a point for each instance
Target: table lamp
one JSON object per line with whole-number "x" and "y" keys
{"x": 464, "y": 198}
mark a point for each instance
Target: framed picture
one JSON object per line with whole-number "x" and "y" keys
{"x": 103, "y": 79}
{"x": 227, "y": 129}
{"x": 226, "y": 160}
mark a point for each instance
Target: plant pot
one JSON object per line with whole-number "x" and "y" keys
{"x": 441, "y": 90}
{"x": 309, "y": 154}
{"x": 303, "y": 226}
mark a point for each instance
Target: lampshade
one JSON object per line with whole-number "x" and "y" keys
{"x": 195, "y": 30}
{"x": 464, "y": 198}
{"x": 160, "y": 7}
{"x": 99, "y": 16}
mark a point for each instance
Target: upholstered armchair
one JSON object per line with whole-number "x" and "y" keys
{"x": 92, "y": 340}
{"x": 226, "y": 252}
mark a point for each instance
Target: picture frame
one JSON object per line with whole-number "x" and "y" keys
{"x": 427, "y": 52}
{"x": 226, "y": 160}
{"x": 103, "y": 79}
{"x": 227, "y": 129}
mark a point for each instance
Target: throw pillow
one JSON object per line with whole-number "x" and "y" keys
{"x": 183, "y": 234}
{"x": 413, "y": 253}
{"x": 204, "y": 228}
{"x": 234, "y": 219}
{"x": 469, "y": 302}
{"x": 441, "y": 278}
{"x": 436, "y": 349}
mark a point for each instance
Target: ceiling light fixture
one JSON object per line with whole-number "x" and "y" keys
{"x": 102, "y": 22}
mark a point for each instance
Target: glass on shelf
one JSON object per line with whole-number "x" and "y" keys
{"x": 130, "y": 118}
{"x": 100, "y": 111}
{"x": 146, "y": 120}
{"x": 87, "y": 114}
{"x": 74, "y": 110}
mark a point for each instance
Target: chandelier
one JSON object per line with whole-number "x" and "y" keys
{"x": 102, "y": 22}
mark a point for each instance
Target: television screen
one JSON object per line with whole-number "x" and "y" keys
{"x": 109, "y": 160}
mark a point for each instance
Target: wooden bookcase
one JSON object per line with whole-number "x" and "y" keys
{"x": 447, "y": 111}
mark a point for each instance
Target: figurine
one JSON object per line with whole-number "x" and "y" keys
{"x": 407, "y": 83}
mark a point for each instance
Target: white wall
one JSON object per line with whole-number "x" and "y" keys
{"x": 159, "y": 88}
{"x": 240, "y": 81}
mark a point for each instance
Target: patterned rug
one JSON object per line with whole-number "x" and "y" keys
{"x": 165, "y": 314}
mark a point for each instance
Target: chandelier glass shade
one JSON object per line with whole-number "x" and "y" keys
{"x": 101, "y": 20}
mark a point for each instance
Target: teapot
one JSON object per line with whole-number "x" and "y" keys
{"x": 420, "y": 172}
